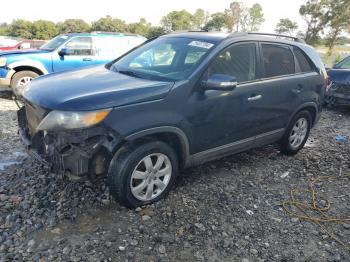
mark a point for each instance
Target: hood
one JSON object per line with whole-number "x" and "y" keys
{"x": 339, "y": 76}
{"x": 22, "y": 52}
{"x": 92, "y": 88}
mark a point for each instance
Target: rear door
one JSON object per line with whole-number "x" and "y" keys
{"x": 81, "y": 54}
{"x": 279, "y": 88}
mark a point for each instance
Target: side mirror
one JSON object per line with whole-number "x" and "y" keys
{"x": 65, "y": 51}
{"x": 220, "y": 82}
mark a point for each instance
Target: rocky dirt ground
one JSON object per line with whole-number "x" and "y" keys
{"x": 226, "y": 210}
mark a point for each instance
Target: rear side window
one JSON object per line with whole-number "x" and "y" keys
{"x": 238, "y": 61}
{"x": 304, "y": 63}
{"x": 278, "y": 60}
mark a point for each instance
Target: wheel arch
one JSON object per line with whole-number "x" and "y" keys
{"x": 173, "y": 136}
{"x": 310, "y": 107}
{"x": 34, "y": 66}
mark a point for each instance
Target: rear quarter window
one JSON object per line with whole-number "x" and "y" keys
{"x": 305, "y": 64}
{"x": 278, "y": 60}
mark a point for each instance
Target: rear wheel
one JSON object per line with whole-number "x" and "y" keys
{"x": 143, "y": 174}
{"x": 20, "y": 80}
{"x": 297, "y": 133}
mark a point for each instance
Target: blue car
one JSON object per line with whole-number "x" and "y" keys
{"x": 64, "y": 52}
{"x": 339, "y": 90}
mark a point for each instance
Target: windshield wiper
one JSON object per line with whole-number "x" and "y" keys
{"x": 129, "y": 73}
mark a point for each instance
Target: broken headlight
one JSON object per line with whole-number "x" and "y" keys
{"x": 60, "y": 120}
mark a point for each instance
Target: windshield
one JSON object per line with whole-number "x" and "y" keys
{"x": 167, "y": 58}
{"x": 55, "y": 42}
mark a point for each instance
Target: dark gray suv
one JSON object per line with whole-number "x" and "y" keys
{"x": 176, "y": 101}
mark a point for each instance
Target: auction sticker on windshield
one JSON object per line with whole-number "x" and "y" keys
{"x": 201, "y": 44}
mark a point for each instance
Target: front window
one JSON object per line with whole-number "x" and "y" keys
{"x": 238, "y": 60}
{"x": 169, "y": 59}
{"x": 55, "y": 43}
{"x": 80, "y": 46}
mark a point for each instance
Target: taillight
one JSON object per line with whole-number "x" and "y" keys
{"x": 326, "y": 83}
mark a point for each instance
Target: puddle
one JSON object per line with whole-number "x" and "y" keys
{"x": 15, "y": 157}
{"x": 3, "y": 165}
{"x": 109, "y": 218}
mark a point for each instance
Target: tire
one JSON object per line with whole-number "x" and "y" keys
{"x": 290, "y": 146}
{"x": 20, "y": 80}
{"x": 129, "y": 164}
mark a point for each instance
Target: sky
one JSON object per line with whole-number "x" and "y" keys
{"x": 133, "y": 10}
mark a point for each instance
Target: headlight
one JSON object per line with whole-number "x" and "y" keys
{"x": 60, "y": 120}
{"x": 3, "y": 61}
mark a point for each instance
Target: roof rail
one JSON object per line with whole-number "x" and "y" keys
{"x": 296, "y": 39}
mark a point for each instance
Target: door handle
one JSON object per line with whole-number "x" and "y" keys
{"x": 87, "y": 59}
{"x": 253, "y": 98}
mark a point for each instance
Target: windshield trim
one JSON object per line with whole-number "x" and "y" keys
{"x": 69, "y": 37}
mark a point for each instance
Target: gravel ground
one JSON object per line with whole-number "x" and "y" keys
{"x": 226, "y": 210}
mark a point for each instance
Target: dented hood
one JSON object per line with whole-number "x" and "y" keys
{"x": 92, "y": 88}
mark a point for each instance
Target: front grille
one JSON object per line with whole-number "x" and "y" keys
{"x": 34, "y": 116}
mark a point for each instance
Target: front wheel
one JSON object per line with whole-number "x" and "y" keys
{"x": 297, "y": 133}
{"x": 20, "y": 80}
{"x": 143, "y": 174}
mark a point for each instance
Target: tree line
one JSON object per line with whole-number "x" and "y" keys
{"x": 328, "y": 17}
{"x": 236, "y": 17}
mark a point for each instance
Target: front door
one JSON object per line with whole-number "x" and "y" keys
{"x": 80, "y": 54}
{"x": 223, "y": 117}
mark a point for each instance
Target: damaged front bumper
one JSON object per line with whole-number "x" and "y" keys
{"x": 75, "y": 153}
{"x": 338, "y": 95}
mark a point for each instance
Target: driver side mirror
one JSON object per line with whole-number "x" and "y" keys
{"x": 220, "y": 82}
{"x": 65, "y": 51}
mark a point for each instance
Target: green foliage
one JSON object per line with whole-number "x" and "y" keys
{"x": 21, "y": 28}
{"x": 177, "y": 20}
{"x": 155, "y": 31}
{"x": 241, "y": 18}
{"x": 338, "y": 15}
{"x": 256, "y": 17}
{"x": 314, "y": 14}
{"x": 216, "y": 22}
{"x": 73, "y": 26}
{"x": 42, "y": 29}
{"x": 233, "y": 14}
{"x": 198, "y": 19}
{"x": 140, "y": 28}
{"x": 109, "y": 24}
{"x": 286, "y": 26}
{"x": 4, "y": 29}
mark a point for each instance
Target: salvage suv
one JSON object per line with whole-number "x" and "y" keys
{"x": 174, "y": 102}
{"x": 64, "y": 52}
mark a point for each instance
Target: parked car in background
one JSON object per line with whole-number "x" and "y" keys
{"x": 64, "y": 52}
{"x": 177, "y": 101}
{"x": 9, "y": 41}
{"x": 24, "y": 44}
{"x": 339, "y": 90}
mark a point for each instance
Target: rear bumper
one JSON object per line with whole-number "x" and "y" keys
{"x": 73, "y": 153}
